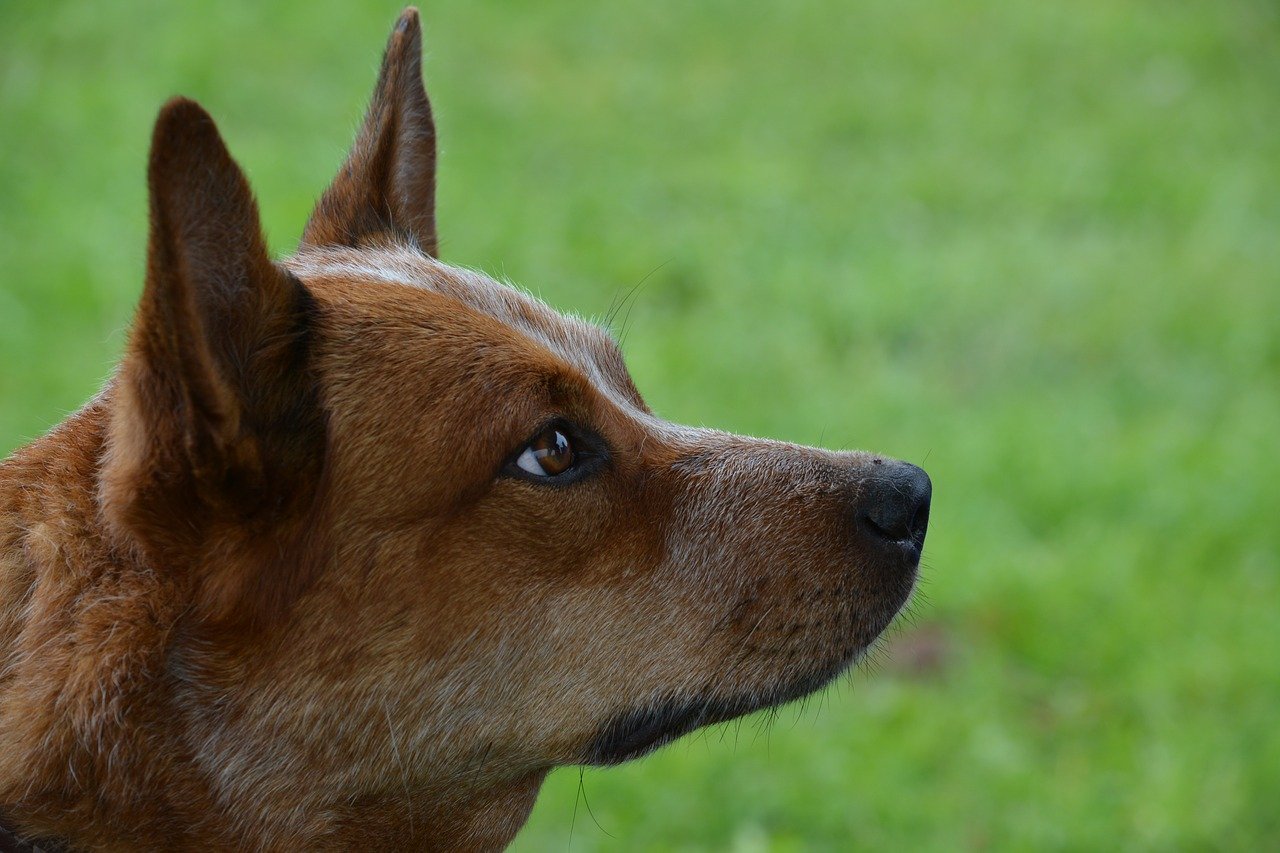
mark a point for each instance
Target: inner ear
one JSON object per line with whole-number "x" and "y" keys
{"x": 388, "y": 183}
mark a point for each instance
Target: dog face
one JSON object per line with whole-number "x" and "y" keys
{"x": 430, "y": 534}
{"x": 614, "y": 579}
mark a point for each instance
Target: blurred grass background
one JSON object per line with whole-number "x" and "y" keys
{"x": 1035, "y": 247}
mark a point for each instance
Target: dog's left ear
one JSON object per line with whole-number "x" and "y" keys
{"x": 388, "y": 184}
{"x": 217, "y": 434}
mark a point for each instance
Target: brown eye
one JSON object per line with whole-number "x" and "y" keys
{"x": 548, "y": 455}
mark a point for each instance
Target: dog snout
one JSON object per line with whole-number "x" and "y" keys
{"x": 894, "y": 505}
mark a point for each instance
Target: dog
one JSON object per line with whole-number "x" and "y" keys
{"x": 354, "y": 547}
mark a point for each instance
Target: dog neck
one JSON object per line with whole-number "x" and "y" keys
{"x": 99, "y": 722}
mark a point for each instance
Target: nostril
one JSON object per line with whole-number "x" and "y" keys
{"x": 892, "y": 527}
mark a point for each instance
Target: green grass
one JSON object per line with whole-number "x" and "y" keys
{"x": 1034, "y": 246}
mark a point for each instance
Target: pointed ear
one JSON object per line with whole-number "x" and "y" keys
{"x": 388, "y": 183}
{"x": 215, "y": 419}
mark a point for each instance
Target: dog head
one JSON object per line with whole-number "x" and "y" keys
{"x": 429, "y": 530}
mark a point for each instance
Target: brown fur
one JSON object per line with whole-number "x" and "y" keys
{"x": 278, "y": 588}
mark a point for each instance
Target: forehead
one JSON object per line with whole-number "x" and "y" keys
{"x": 585, "y": 346}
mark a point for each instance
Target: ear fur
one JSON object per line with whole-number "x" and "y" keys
{"x": 216, "y": 423}
{"x": 388, "y": 183}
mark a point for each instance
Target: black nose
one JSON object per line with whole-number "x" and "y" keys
{"x": 895, "y": 502}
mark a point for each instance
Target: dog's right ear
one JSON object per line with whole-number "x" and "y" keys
{"x": 215, "y": 419}
{"x": 388, "y": 184}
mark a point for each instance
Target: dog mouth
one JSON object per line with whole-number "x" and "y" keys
{"x": 638, "y": 732}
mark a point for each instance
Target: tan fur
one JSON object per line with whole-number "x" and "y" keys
{"x": 275, "y": 588}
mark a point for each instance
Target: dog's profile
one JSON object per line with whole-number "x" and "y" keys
{"x": 356, "y": 546}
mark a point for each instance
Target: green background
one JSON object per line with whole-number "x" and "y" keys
{"x": 1032, "y": 246}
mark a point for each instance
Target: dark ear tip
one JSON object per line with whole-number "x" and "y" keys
{"x": 408, "y": 20}
{"x": 181, "y": 115}
{"x": 400, "y": 61}
{"x": 188, "y": 157}
{"x": 183, "y": 130}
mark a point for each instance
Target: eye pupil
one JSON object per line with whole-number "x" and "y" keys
{"x": 549, "y": 454}
{"x": 553, "y": 452}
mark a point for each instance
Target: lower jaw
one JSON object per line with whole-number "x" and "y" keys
{"x": 635, "y": 733}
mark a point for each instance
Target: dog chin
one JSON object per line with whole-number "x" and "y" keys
{"x": 635, "y": 733}
{"x": 639, "y": 731}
